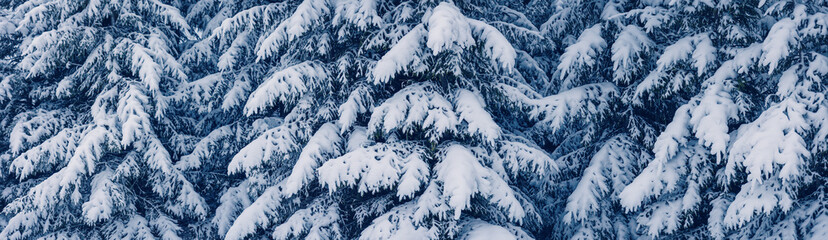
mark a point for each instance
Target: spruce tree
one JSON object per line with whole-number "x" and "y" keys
{"x": 369, "y": 121}
{"x": 740, "y": 155}
{"x": 87, "y": 119}
{"x": 428, "y": 119}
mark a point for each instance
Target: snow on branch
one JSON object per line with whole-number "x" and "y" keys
{"x": 276, "y": 143}
{"x": 374, "y": 168}
{"x": 360, "y": 13}
{"x": 262, "y": 213}
{"x": 463, "y": 176}
{"x": 583, "y": 53}
{"x": 48, "y": 154}
{"x": 471, "y": 109}
{"x": 517, "y": 155}
{"x": 308, "y": 12}
{"x": 415, "y": 107}
{"x": 406, "y": 55}
{"x": 627, "y": 51}
{"x": 359, "y": 101}
{"x": 555, "y": 111}
{"x": 609, "y": 170}
{"x": 106, "y": 196}
{"x": 446, "y": 29}
{"x": 286, "y": 86}
{"x": 324, "y": 144}
{"x": 495, "y": 45}
{"x": 320, "y": 220}
{"x": 34, "y": 127}
{"x": 399, "y": 222}
{"x": 95, "y": 142}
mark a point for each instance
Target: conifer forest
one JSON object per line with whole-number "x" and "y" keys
{"x": 413, "y": 119}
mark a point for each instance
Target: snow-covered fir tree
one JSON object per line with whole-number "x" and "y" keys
{"x": 87, "y": 119}
{"x": 427, "y": 119}
{"x": 744, "y": 154}
{"x": 740, "y": 152}
{"x": 370, "y": 100}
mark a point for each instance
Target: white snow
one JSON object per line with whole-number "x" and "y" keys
{"x": 398, "y": 223}
{"x": 233, "y": 202}
{"x": 463, "y": 177}
{"x": 308, "y": 13}
{"x": 104, "y": 197}
{"x": 370, "y": 169}
{"x": 33, "y": 127}
{"x": 358, "y": 102}
{"x": 275, "y": 143}
{"x": 47, "y": 155}
{"x": 495, "y": 44}
{"x": 777, "y": 45}
{"x": 135, "y": 121}
{"x": 626, "y": 51}
{"x": 583, "y": 53}
{"x": 415, "y": 107}
{"x": 229, "y": 59}
{"x": 557, "y": 110}
{"x": 448, "y": 29}
{"x": 471, "y": 109}
{"x": 237, "y": 94}
{"x": 360, "y": 13}
{"x": 260, "y": 214}
{"x": 415, "y": 173}
{"x": 704, "y": 55}
{"x": 286, "y": 86}
{"x": 673, "y": 54}
{"x": 402, "y": 56}
{"x": 319, "y": 221}
{"x": 481, "y": 230}
{"x": 519, "y": 156}
{"x": 608, "y": 171}
{"x": 325, "y": 143}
